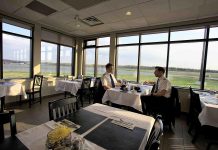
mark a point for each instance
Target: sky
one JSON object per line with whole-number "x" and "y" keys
{"x": 183, "y": 55}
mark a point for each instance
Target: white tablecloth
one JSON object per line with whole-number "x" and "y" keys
{"x": 208, "y": 115}
{"x": 130, "y": 98}
{"x": 68, "y": 86}
{"x": 139, "y": 120}
{"x": 35, "y": 138}
{"x": 11, "y": 89}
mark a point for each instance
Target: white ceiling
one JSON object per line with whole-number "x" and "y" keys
{"x": 112, "y": 14}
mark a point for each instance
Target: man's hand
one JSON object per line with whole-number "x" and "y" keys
{"x": 148, "y": 82}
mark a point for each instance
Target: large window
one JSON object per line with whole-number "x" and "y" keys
{"x": 213, "y": 32}
{"x": 156, "y": 37}
{"x": 185, "y": 64}
{"x": 211, "y": 77}
{"x": 16, "y": 51}
{"x": 17, "y": 30}
{"x": 89, "y": 61}
{"x": 187, "y": 35}
{"x": 65, "y": 60}
{"x": 98, "y": 48}
{"x": 128, "y": 39}
{"x": 103, "y": 59}
{"x": 48, "y": 59}
{"x": 127, "y": 62}
{"x": 181, "y": 51}
{"x": 151, "y": 56}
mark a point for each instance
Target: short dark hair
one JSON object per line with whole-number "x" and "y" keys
{"x": 161, "y": 69}
{"x": 108, "y": 65}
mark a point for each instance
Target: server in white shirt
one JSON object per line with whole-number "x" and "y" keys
{"x": 108, "y": 80}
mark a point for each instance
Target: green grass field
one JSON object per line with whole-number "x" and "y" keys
{"x": 178, "y": 78}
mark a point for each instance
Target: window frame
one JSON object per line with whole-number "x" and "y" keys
{"x": 58, "y": 58}
{"x": 96, "y": 53}
{"x": 205, "y": 41}
{"x": 17, "y": 35}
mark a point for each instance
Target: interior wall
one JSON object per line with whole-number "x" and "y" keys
{"x": 36, "y": 49}
{"x": 112, "y": 57}
{"x": 79, "y": 60}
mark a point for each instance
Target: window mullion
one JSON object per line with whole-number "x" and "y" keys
{"x": 204, "y": 58}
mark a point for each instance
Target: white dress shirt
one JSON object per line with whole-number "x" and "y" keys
{"x": 164, "y": 84}
{"x": 106, "y": 80}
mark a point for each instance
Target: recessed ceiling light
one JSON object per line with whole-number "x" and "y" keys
{"x": 128, "y": 13}
{"x": 77, "y": 25}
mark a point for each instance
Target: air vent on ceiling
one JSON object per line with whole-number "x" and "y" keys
{"x": 81, "y": 4}
{"x": 92, "y": 21}
{"x": 40, "y": 8}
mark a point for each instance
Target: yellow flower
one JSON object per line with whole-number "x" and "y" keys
{"x": 58, "y": 134}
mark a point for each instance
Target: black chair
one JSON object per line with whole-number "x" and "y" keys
{"x": 194, "y": 111}
{"x": 166, "y": 107}
{"x": 208, "y": 131}
{"x": 84, "y": 91}
{"x": 154, "y": 137}
{"x": 98, "y": 91}
{"x": 60, "y": 108}
{"x": 36, "y": 88}
{"x": 7, "y": 117}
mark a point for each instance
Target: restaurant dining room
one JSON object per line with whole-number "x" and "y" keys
{"x": 108, "y": 74}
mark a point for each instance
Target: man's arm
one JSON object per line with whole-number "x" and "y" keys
{"x": 148, "y": 82}
{"x": 104, "y": 83}
{"x": 160, "y": 93}
{"x": 106, "y": 87}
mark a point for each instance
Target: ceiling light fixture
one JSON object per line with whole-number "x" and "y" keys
{"x": 77, "y": 24}
{"x": 128, "y": 13}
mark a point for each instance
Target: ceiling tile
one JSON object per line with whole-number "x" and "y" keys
{"x": 209, "y": 9}
{"x": 141, "y": 1}
{"x": 135, "y": 23}
{"x": 120, "y": 14}
{"x": 155, "y": 7}
{"x": 172, "y": 17}
{"x": 55, "y": 4}
{"x": 118, "y": 25}
{"x": 185, "y": 4}
{"x": 10, "y": 6}
{"x": 107, "y": 6}
{"x": 29, "y": 14}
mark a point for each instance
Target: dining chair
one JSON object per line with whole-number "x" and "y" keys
{"x": 194, "y": 111}
{"x": 155, "y": 135}
{"x": 62, "y": 107}
{"x": 36, "y": 89}
{"x": 7, "y": 117}
{"x": 166, "y": 107}
{"x": 98, "y": 91}
{"x": 84, "y": 91}
{"x": 209, "y": 132}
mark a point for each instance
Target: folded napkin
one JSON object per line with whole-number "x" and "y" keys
{"x": 124, "y": 124}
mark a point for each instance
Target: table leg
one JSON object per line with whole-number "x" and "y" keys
{"x": 2, "y": 104}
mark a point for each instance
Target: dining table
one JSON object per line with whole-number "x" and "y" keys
{"x": 209, "y": 104}
{"x": 129, "y": 97}
{"x": 97, "y": 129}
{"x": 10, "y": 89}
{"x": 71, "y": 86}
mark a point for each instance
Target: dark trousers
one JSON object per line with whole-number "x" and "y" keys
{"x": 158, "y": 105}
